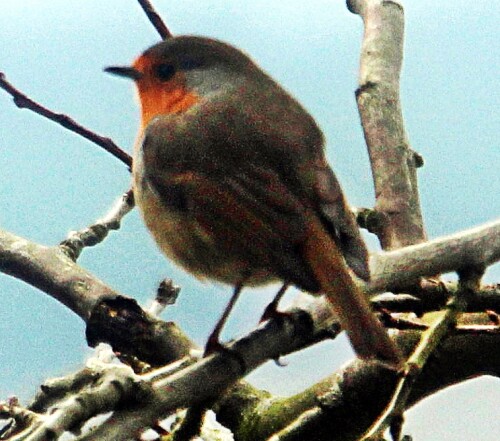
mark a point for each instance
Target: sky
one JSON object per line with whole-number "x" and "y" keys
{"x": 53, "y": 181}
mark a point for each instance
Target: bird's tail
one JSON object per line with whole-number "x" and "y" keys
{"x": 367, "y": 335}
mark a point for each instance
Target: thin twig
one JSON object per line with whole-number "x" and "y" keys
{"x": 97, "y": 232}
{"x": 403, "y": 324}
{"x": 166, "y": 295}
{"x": 113, "y": 383}
{"x": 477, "y": 329}
{"x": 430, "y": 339}
{"x": 155, "y": 19}
{"x": 20, "y": 419}
{"x": 24, "y": 102}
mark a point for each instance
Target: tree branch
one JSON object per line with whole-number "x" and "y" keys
{"x": 342, "y": 406}
{"x": 24, "y": 102}
{"x": 328, "y": 405}
{"x": 393, "y": 270}
{"x": 438, "y": 330}
{"x": 98, "y": 231}
{"x": 155, "y": 19}
{"x": 52, "y": 271}
{"x": 33, "y": 263}
{"x": 366, "y": 387}
{"x": 392, "y": 160}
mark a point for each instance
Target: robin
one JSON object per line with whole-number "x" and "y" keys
{"x": 230, "y": 175}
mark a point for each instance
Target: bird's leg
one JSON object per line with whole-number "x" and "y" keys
{"x": 271, "y": 312}
{"x": 272, "y": 309}
{"x": 213, "y": 343}
{"x": 193, "y": 420}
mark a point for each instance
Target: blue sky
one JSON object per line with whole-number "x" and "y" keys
{"x": 53, "y": 181}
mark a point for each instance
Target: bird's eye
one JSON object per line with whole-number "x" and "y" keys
{"x": 165, "y": 71}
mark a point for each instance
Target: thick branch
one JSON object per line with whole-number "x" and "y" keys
{"x": 393, "y": 161}
{"x": 110, "y": 316}
{"x": 31, "y": 262}
{"x": 24, "y": 102}
{"x": 342, "y": 406}
{"x": 339, "y": 407}
{"x": 393, "y": 270}
{"x": 52, "y": 271}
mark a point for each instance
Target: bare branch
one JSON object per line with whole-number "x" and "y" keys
{"x": 155, "y": 19}
{"x": 52, "y": 271}
{"x": 269, "y": 341}
{"x": 363, "y": 386}
{"x": 20, "y": 418}
{"x": 106, "y": 395}
{"x": 431, "y": 338}
{"x": 24, "y": 102}
{"x": 342, "y": 406}
{"x": 135, "y": 334}
{"x": 478, "y": 329}
{"x": 223, "y": 369}
{"x": 393, "y": 162}
{"x": 98, "y": 231}
{"x": 58, "y": 389}
{"x": 479, "y": 246}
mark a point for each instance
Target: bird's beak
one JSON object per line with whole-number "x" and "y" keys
{"x": 124, "y": 71}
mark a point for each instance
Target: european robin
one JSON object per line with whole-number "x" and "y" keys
{"x": 230, "y": 175}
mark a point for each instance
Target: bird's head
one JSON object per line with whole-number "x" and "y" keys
{"x": 175, "y": 74}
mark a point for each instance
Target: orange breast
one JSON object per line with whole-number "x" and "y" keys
{"x": 164, "y": 100}
{"x": 161, "y": 97}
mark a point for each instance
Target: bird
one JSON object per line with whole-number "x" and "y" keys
{"x": 231, "y": 178}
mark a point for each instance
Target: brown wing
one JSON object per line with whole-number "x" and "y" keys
{"x": 272, "y": 158}
{"x": 245, "y": 208}
{"x": 340, "y": 222}
{"x": 293, "y": 144}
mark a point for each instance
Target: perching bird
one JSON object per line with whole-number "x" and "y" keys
{"x": 231, "y": 178}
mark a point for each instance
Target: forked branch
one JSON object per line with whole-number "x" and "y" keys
{"x": 393, "y": 162}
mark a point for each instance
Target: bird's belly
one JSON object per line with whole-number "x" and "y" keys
{"x": 182, "y": 239}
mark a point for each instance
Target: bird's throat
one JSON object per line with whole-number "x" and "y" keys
{"x": 161, "y": 101}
